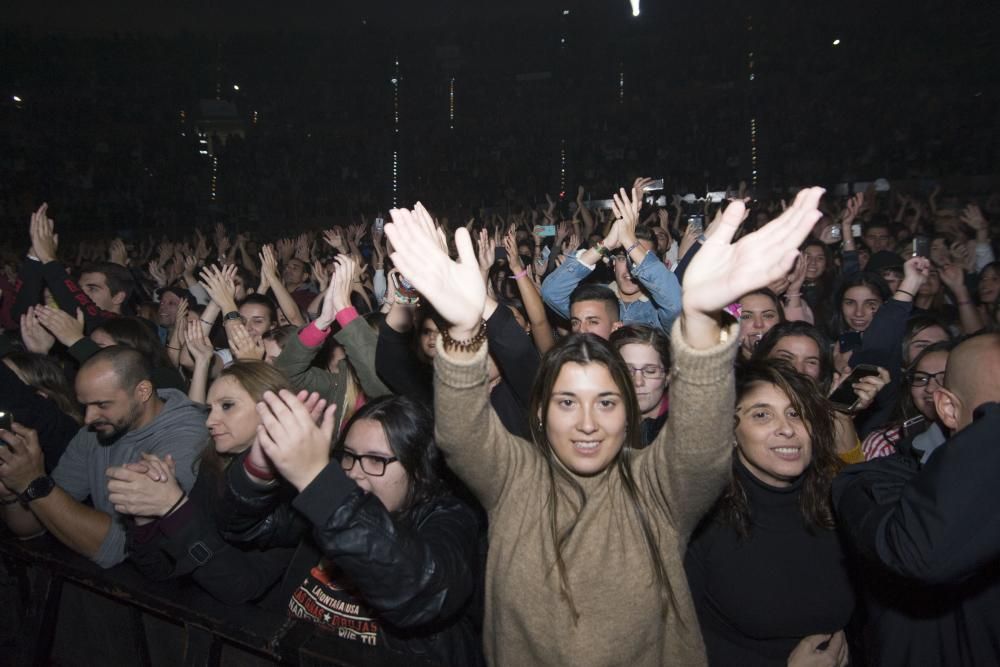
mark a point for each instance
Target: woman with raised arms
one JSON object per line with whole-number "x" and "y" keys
{"x": 588, "y": 533}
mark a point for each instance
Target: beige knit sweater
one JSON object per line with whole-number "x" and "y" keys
{"x": 527, "y": 620}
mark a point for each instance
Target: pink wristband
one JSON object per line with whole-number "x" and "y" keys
{"x": 313, "y": 336}
{"x": 520, "y": 274}
{"x": 346, "y": 316}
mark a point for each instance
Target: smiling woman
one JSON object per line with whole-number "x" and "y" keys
{"x": 766, "y": 569}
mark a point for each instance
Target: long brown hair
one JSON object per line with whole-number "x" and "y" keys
{"x": 255, "y": 377}
{"x": 817, "y": 416}
{"x": 589, "y": 349}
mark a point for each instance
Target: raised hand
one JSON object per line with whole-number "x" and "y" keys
{"x": 513, "y": 259}
{"x": 338, "y": 294}
{"x": 268, "y": 264}
{"x": 320, "y": 275}
{"x": 291, "y": 440}
{"x": 487, "y": 252}
{"x": 220, "y": 285}
{"x": 335, "y": 239}
{"x": 197, "y": 342}
{"x": 242, "y": 344}
{"x": 44, "y": 241}
{"x": 33, "y": 334}
{"x": 627, "y": 209}
{"x": 724, "y": 271}
{"x": 455, "y": 289}
{"x": 66, "y": 328}
{"x": 302, "y": 248}
{"x": 159, "y": 275}
{"x": 117, "y": 254}
{"x": 286, "y": 249}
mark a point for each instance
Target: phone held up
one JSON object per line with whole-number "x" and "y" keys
{"x": 844, "y": 398}
{"x": 6, "y": 424}
{"x": 921, "y": 246}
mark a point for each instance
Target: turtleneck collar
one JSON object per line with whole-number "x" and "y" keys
{"x": 761, "y": 494}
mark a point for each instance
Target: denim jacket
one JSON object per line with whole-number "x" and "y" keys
{"x": 658, "y": 307}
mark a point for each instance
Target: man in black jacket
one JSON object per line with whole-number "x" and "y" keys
{"x": 929, "y": 536}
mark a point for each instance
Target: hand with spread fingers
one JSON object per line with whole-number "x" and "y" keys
{"x": 290, "y": 438}
{"x": 455, "y": 288}
{"x": 21, "y": 460}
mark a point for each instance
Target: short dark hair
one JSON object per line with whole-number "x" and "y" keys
{"x": 594, "y": 292}
{"x": 130, "y": 366}
{"x": 118, "y": 278}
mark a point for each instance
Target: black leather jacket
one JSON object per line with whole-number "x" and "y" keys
{"x": 420, "y": 573}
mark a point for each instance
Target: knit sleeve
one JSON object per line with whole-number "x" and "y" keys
{"x": 688, "y": 464}
{"x": 476, "y": 445}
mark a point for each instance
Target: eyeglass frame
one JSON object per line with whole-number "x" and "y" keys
{"x": 342, "y": 455}
{"x": 661, "y": 372}
{"x": 926, "y": 378}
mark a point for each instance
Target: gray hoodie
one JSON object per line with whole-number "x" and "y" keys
{"x": 179, "y": 430}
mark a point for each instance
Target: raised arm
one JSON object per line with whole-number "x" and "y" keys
{"x": 688, "y": 463}
{"x": 541, "y": 329}
{"x": 485, "y": 462}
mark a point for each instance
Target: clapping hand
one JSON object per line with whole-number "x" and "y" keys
{"x": 290, "y": 438}
{"x": 197, "y": 342}
{"x": 44, "y": 240}
{"x": 66, "y": 328}
{"x": 242, "y": 344}
{"x": 455, "y": 289}
{"x": 220, "y": 285}
{"x": 117, "y": 254}
{"x": 35, "y": 337}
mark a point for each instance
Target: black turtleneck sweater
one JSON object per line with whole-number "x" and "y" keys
{"x": 757, "y": 597}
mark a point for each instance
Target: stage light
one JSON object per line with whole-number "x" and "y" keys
{"x": 17, "y": 99}
{"x": 565, "y": 12}
{"x": 236, "y": 87}
{"x": 635, "y": 7}
{"x": 836, "y": 42}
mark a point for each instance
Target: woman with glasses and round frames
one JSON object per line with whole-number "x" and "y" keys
{"x": 914, "y": 425}
{"x": 387, "y": 557}
{"x": 587, "y": 534}
{"x": 646, "y": 352}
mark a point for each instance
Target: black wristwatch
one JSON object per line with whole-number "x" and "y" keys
{"x": 231, "y": 315}
{"x": 39, "y": 488}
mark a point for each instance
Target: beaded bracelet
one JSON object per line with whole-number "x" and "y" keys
{"x": 409, "y": 300}
{"x": 471, "y": 345}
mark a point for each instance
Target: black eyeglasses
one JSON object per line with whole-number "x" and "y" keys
{"x": 371, "y": 464}
{"x": 919, "y": 379}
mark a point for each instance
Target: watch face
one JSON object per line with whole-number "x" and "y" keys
{"x": 39, "y": 488}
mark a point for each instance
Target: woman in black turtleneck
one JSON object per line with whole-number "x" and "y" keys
{"x": 766, "y": 568}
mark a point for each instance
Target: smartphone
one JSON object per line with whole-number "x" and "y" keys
{"x": 545, "y": 230}
{"x": 697, "y": 224}
{"x": 716, "y": 197}
{"x": 843, "y": 398}
{"x": 856, "y": 230}
{"x": 914, "y": 427}
{"x": 835, "y": 232}
{"x": 404, "y": 286}
{"x": 378, "y": 225}
{"x": 6, "y": 421}
{"x": 921, "y": 246}
{"x": 500, "y": 254}
{"x": 655, "y": 185}
{"x": 850, "y": 340}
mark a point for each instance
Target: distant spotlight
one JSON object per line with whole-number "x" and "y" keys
{"x": 17, "y": 99}
{"x": 235, "y": 87}
{"x": 836, "y": 42}
{"x": 565, "y": 12}
{"x": 635, "y": 7}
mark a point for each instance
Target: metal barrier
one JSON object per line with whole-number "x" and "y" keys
{"x": 42, "y": 566}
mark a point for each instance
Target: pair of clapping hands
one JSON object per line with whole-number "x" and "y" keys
{"x": 293, "y": 439}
